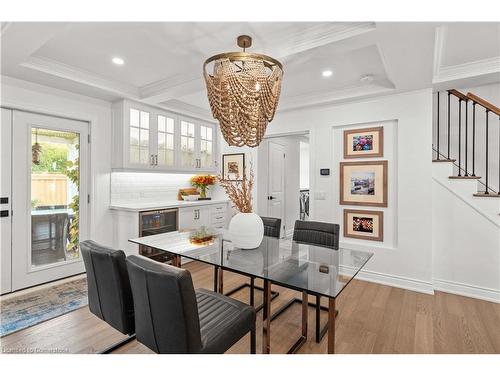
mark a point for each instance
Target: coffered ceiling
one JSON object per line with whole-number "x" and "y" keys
{"x": 163, "y": 61}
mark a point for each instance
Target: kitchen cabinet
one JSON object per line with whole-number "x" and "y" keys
{"x": 214, "y": 216}
{"x": 152, "y": 139}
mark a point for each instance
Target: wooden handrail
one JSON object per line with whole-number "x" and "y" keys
{"x": 458, "y": 94}
{"x": 483, "y": 103}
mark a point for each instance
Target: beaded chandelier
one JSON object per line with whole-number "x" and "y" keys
{"x": 243, "y": 93}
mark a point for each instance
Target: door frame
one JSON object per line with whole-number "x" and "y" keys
{"x": 312, "y": 163}
{"x": 268, "y": 191}
{"x": 23, "y": 273}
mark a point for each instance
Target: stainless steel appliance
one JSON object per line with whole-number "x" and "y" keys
{"x": 156, "y": 222}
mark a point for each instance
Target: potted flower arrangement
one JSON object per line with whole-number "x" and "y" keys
{"x": 246, "y": 228}
{"x": 202, "y": 182}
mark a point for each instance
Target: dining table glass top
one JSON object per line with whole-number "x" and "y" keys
{"x": 315, "y": 269}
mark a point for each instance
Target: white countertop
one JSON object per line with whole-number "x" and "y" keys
{"x": 147, "y": 206}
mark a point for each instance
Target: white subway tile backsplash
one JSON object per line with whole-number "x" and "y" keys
{"x": 146, "y": 187}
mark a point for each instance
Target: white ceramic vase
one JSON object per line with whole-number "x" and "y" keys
{"x": 246, "y": 230}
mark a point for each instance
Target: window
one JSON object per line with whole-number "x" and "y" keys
{"x": 139, "y": 136}
{"x": 206, "y": 146}
{"x": 165, "y": 141}
{"x": 187, "y": 144}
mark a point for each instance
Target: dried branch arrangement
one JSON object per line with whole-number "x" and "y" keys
{"x": 240, "y": 191}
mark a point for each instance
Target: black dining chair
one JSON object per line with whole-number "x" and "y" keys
{"x": 272, "y": 228}
{"x": 314, "y": 233}
{"x": 109, "y": 293}
{"x": 172, "y": 317}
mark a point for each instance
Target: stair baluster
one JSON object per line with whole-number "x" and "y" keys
{"x": 459, "y": 137}
{"x": 473, "y": 139}
{"x": 487, "y": 113}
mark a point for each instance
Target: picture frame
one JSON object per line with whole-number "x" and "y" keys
{"x": 364, "y": 143}
{"x": 363, "y": 183}
{"x": 364, "y": 225}
{"x": 233, "y": 166}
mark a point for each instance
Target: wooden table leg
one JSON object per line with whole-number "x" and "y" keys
{"x": 331, "y": 325}
{"x": 266, "y": 319}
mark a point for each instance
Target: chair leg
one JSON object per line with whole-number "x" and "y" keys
{"x": 253, "y": 341}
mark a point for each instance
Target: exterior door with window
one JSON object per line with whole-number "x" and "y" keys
{"x": 50, "y": 189}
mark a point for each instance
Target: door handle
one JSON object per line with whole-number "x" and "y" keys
{"x": 270, "y": 198}
{"x": 4, "y": 213}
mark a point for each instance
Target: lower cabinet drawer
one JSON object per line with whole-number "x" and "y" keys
{"x": 218, "y": 218}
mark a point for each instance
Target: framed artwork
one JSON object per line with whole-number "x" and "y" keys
{"x": 364, "y": 225}
{"x": 233, "y": 166}
{"x": 364, "y": 143}
{"x": 363, "y": 183}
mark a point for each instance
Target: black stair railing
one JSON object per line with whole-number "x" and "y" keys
{"x": 465, "y": 150}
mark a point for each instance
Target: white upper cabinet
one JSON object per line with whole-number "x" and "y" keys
{"x": 153, "y": 139}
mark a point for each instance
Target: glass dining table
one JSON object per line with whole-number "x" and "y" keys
{"x": 309, "y": 269}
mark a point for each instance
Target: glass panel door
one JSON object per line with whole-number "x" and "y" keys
{"x": 139, "y": 137}
{"x": 187, "y": 144}
{"x": 55, "y": 180}
{"x": 166, "y": 133}
{"x": 50, "y": 204}
{"x": 206, "y": 146}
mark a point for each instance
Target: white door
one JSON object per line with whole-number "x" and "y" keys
{"x": 50, "y": 160}
{"x": 6, "y": 199}
{"x": 276, "y": 181}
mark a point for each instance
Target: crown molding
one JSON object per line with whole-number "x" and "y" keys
{"x": 468, "y": 70}
{"x": 71, "y": 73}
{"x": 347, "y": 93}
{"x": 439, "y": 41}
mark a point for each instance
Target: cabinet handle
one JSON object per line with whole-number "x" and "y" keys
{"x": 151, "y": 162}
{"x": 156, "y": 159}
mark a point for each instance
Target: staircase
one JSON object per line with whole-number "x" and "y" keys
{"x": 466, "y": 145}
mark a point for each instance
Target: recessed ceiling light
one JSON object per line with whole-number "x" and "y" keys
{"x": 367, "y": 78}
{"x": 327, "y": 73}
{"x": 118, "y": 61}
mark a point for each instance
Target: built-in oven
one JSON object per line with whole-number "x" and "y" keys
{"x": 156, "y": 222}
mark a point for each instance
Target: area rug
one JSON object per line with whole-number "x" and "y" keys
{"x": 32, "y": 308}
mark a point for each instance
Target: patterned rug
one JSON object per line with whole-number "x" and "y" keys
{"x": 38, "y": 306}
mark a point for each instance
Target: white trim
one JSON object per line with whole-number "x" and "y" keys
{"x": 467, "y": 70}
{"x": 494, "y": 220}
{"x": 439, "y": 40}
{"x": 57, "y": 69}
{"x": 467, "y": 290}
{"x": 396, "y": 281}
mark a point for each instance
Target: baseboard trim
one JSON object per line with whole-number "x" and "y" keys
{"x": 467, "y": 290}
{"x": 392, "y": 280}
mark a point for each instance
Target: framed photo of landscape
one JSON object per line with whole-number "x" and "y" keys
{"x": 233, "y": 166}
{"x": 364, "y": 143}
{"x": 364, "y": 225}
{"x": 363, "y": 183}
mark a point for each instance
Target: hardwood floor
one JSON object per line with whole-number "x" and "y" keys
{"x": 372, "y": 319}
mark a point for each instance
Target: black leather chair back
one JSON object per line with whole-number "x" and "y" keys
{"x": 109, "y": 293}
{"x": 317, "y": 233}
{"x": 272, "y": 226}
{"x": 166, "y": 311}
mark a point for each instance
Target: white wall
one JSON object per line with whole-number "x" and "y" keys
{"x": 490, "y": 93}
{"x": 466, "y": 241}
{"x": 409, "y": 262}
{"x": 33, "y": 97}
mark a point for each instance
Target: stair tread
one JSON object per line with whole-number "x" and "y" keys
{"x": 465, "y": 177}
{"x": 490, "y": 195}
{"x": 443, "y": 160}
